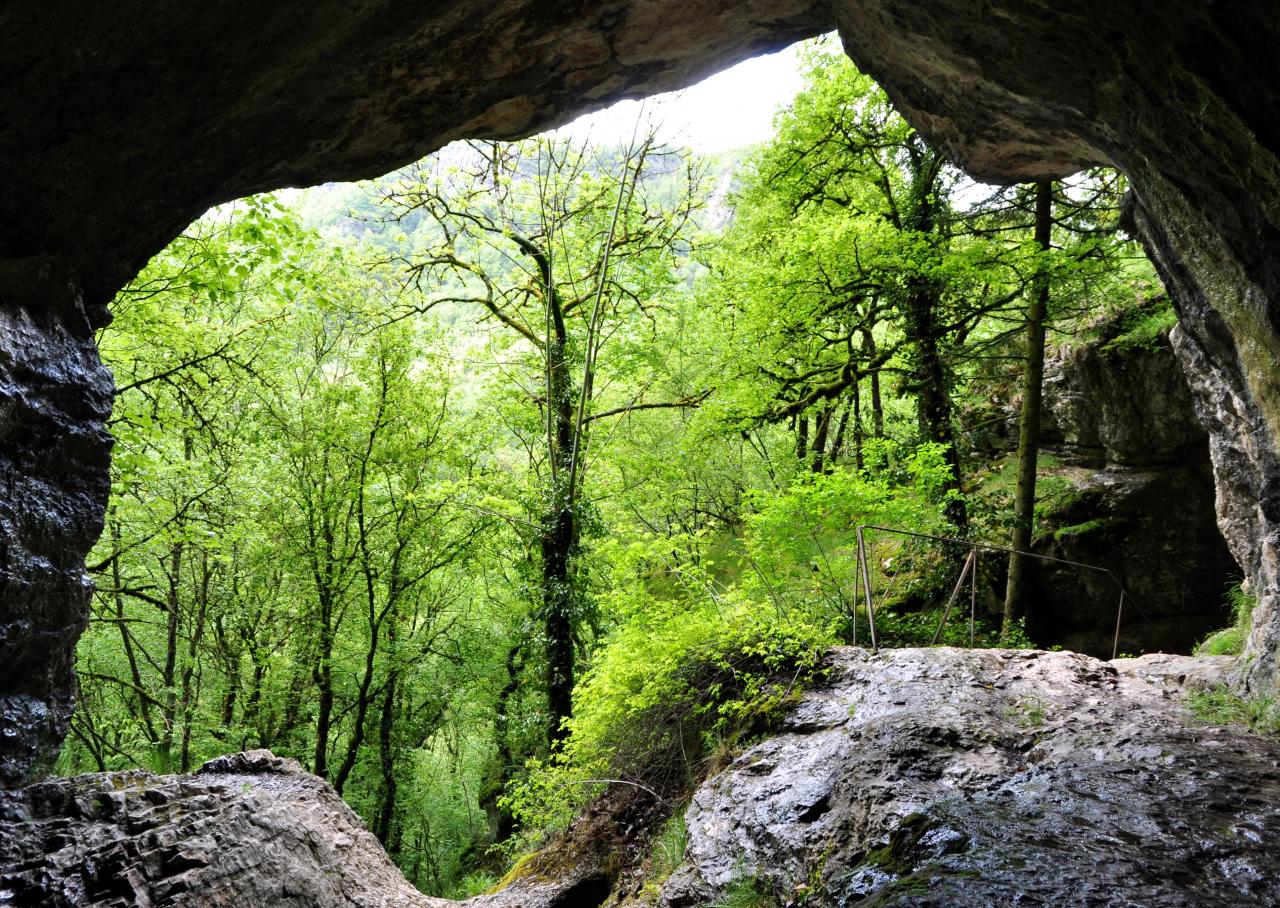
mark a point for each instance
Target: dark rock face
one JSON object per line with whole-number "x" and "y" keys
{"x": 1141, "y": 505}
{"x": 1154, "y": 529}
{"x": 1124, "y": 407}
{"x": 246, "y": 830}
{"x": 946, "y": 777}
{"x": 55, "y": 397}
{"x": 123, "y": 124}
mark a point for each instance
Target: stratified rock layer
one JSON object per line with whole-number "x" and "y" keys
{"x": 956, "y": 778}
{"x": 244, "y": 831}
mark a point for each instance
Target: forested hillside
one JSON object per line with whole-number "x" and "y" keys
{"x": 538, "y": 466}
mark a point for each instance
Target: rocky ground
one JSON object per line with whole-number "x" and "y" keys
{"x": 953, "y": 777}
{"x": 249, "y": 830}
{"x": 914, "y": 777}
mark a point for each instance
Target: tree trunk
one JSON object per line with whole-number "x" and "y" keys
{"x": 1029, "y": 421}
{"x": 933, "y": 402}
{"x": 837, "y": 443}
{"x": 169, "y": 677}
{"x": 323, "y": 678}
{"x": 858, "y": 463}
{"x": 502, "y": 824}
{"x": 821, "y": 428}
{"x": 386, "y": 758}
{"x": 559, "y": 528}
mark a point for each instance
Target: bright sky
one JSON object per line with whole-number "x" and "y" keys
{"x": 730, "y": 109}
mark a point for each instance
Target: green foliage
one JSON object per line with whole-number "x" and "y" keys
{"x": 908, "y": 629}
{"x": 666, "y": 692}
{"x": 471, "y": 885}
{"x": 292, "y": 535}
{"x": 801, "y": 541}
{"x": 1222, "y": 706}
{"x": 747, "y": 892}
{"x": 1230, "y": 640}
{"x": 1144, "y": 328}
{"x": 1028, "y": 712}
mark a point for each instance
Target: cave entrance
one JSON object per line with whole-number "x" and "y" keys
{"x": 337, "y": 476}
{"x": 1014, "y": 92}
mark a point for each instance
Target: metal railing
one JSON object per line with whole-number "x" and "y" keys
{"x": 970, "y": 570}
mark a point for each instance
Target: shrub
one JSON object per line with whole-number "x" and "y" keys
{"x": 663, "y": 694}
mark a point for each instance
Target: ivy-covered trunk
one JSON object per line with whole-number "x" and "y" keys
{"x": 559, "y": 541}
{"x": 923, "y": 330}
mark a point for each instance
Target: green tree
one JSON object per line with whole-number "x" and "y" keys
{"x": 847, "y": 262}
{"x": 567, "y": 249}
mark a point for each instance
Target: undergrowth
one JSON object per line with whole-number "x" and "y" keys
{"x": 747, "y": 892}
{"x": 910, "y": 629}
{"x": 668, "y": 701}
{"x": 1230, "y": 640}
{"x": 1221, "y": 706}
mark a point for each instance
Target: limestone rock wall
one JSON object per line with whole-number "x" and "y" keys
{"x": 1140, "y": 503}
{"x": 55, "y": 397}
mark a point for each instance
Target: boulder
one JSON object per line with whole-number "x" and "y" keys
{"x": 951, "y": 777}
{"x": 243, "y": 831}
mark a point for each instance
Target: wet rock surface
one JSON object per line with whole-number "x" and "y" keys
{"x": 245, "y": 830}
{"x": 951, "y": 777}
{"x": 55, "y": 397}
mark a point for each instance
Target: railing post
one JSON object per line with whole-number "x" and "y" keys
{"x": 856, "y": 575}
{"x": 973, "y": 596}
{"x": 951, "y": 600}
{"x": 1115, "y": 644}
{"x": 866, "y": 588}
